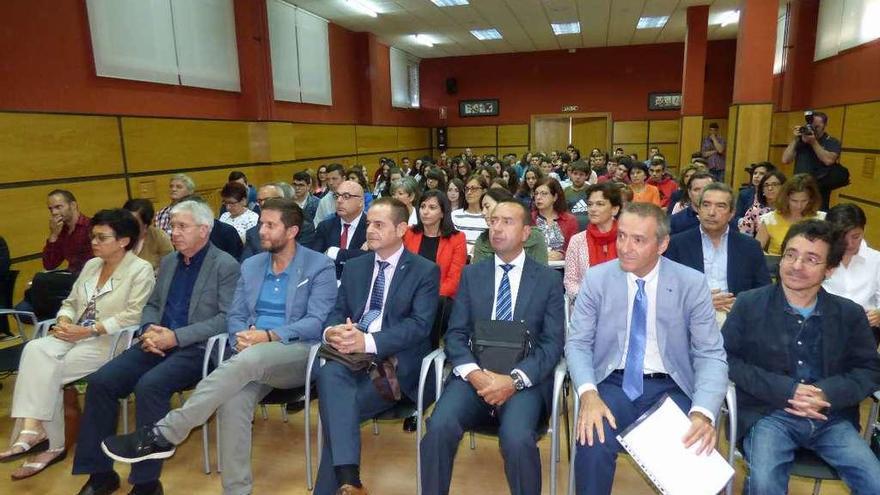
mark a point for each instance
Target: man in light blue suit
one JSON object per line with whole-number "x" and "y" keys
{"x": 281, "y": 301}
{"x": 642, "y": 327}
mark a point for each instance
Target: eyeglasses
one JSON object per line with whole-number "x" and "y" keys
{"x": 344, "y": 196}
{"x": 101, "y": 237}
{"x": 182, "y": 227}
{"x": 473, "y": 188}
{"x": 791, "y": 257}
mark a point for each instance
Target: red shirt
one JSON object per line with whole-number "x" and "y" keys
{"x": 75, "y": 247}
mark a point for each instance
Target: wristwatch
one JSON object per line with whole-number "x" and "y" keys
{"x": 518, "y": 382}
{"x": 94, "y": 330}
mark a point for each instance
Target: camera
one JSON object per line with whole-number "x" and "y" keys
{"x": 807, "y": 130}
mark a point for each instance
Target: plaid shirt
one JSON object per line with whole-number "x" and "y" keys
{"x": 162, "y": 221}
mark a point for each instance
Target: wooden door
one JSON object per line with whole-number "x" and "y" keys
{"x": 550, "y": 134}
{"x": 588, "y": 133}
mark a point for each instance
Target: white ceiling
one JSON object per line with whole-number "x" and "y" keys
{"x": 524, "y": 24}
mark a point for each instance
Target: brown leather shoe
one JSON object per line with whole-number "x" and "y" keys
{"x": 351, "y": 490}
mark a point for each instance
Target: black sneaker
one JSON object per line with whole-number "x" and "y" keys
{"x": 155, "y": 489}
{"x": 142, "y": 445}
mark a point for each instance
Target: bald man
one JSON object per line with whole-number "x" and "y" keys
{"x": 343, "y": 235}
{"x": 252, "y": 245}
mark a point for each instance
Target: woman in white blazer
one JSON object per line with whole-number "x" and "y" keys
{"x": 108, "y": 296}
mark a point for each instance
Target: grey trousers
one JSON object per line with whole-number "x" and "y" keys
{"x": 233, "y": 390}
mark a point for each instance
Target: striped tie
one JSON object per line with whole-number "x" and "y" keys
{"x": 376, "y": 296}
{"x": 503, "y": 303}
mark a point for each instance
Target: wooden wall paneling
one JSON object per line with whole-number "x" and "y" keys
{"x": 631, "y": 132}
{"x": 864, "y": 169}
{"x": 693, "y": 128}
{"x": 640, "y": 149}
{"x": 413, "y": 137}
{"x": 43, "y": 146}
{"x": 513, "y": 135}
{"x": 782, "y": 126}
{"x": 282, "y": 146}
{"x": 550, "y": 133}
{"x": 519, "y": 151}
{"x": 588, "y": 133}
{"x": 835, "y": 120}
{"x": 375, "y": 138}
{"x": 477, "y": 150}
{"x": 862, "y": 126}
{"x": 472, "y": 137}
{"x": 872, "y": 212}
{"x": 27, "y": 270}
{"x": 670, "y": 151}
{"x": 775, "y": 157}
{"x": 30, "y": 223}
{"x": 320, "y": 140}
{"x": 153, "y": 144}
{"x": 752, "y": 144}
{"x": 664, "y": 131}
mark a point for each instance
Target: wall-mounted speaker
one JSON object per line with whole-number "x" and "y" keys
{"x": 441, "y": 138}
{"x": 451, "y": 86}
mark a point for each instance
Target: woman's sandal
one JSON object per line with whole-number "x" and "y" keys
{"x": 38, "y": 463}
{"x": 38, "y": 444}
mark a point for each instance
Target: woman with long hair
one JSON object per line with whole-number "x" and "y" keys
{"x": 597, "y": 244}
{"x": 435, "y": 237}
{"x": 469, "y": 219}
{"x": 551, "y": 215}
{"x": 768, "y": 190}
{"x": 320, "y": 182}
{"x": 508, "y": 174}
{"x": 455, "y": 193}
{"x": 799, "y": 199}
{"x": 526, "y": 192}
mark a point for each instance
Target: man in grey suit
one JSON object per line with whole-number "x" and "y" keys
{"x": 188, "y": 305}
{"x": 642, "y": 326}
{"x": 280, "y": 304}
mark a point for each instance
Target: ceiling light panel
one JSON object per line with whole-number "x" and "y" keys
{"x": 652, "y": 22}
{"x": 486, "y": 34}
{"x": 566, "y": 28}
{"x": 449, "y": 3}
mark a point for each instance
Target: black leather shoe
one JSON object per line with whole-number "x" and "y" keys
{"x": 409, "y": 424}
{"x": 104, "y": 487}
{"x": 139, "y": 490}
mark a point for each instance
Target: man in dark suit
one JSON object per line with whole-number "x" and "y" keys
{"x": 802, "y": 360}
{"x": 188, "y": 305}
{"x": 386, "y": 305}
{"x": 733, "y": 262}
{"x": 687, "y": 219}
{"x": 342, "y": 236}
{"x": 510, "y": 286}
{"x": 252, "y": 244}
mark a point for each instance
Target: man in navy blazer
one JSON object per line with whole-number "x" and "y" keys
{"x": 733, "y": 262}
{"x": 509, "y": 286}
{"x": 386, "y": 305}
{"x": 252, "y": 243}
{"x": 642, "y": 327}
{"x": 281, "y": 301}
{"x": 348, "y": 225}
{"x": 687, "y": 219}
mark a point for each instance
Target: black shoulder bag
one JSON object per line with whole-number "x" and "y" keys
{"x": 500, "y": 345}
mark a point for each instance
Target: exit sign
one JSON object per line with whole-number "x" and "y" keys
{"x": 570, "y": 108}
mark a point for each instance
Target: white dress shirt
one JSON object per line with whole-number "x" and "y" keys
{"x": 514, "y": 276}
{"x": 860, "y": 281}
{"x": 333, "y": 251}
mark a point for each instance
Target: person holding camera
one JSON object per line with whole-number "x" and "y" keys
{"x": 814, "y": 152}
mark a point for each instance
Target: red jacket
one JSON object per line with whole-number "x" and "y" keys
{"x": 451, "y": 258}
{"x": 667, "y": 186}
{"x": 568, "y": 224}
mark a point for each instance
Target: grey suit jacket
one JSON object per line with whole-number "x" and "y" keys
{"x": 688, "y": 336}
{"x": 211, "y": 296}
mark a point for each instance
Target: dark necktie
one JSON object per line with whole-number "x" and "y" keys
{"x": 376, "y": 296}
{"x": 343, "y": 239}
{"x": 634, "y": 373}
{"x": 503, "y": 303}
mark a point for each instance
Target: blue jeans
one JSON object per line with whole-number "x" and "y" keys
{"x": 771, "y": 443}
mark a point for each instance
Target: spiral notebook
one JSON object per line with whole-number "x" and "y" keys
{"x": 654, "y": 441}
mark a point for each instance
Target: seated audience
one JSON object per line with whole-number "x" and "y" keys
{"x": 768, "y": 191}
{"x": 179, "y": 187}
{"x": 733, "y": 262}
{"x": 642, "y": 191}
{"x": 576, "y": 194}
{"x": 252, "y": 244}
{"x": 187, "y": 306}
{"x": 406, "y": 190}
{"x": 357, "y": 176}
{"x": 241, "y": 178}
{"x": 687, "y": 219}
{"x": 456, "y": 193}
{"x": 344, "y": 235}
{"x": 621, "y": 367}
{"x": 382, "y": 180}
{"x": 152, "y": 244}
{"x": 526, "y": 193}
{"x": 511, "y": 179}
{"x": 662, "y": 180}
{"x": 470, "y": 220}
{"x": 857, "y": 278}
{"x": 802, "y": 361}
{"x": 327, "y": 206}
{"x": 679, "y": 200}
{"x": 799, "y": 199}
{"x": 107, "y": 296}
{"x": 320, "y": 185}
{"x": 394, "y": 325}
{"x": 599, "y": 165}
{"x": 535, "y": 246}
{"x": 308, "y": 202}
{"x": 551, "y": 216}
{"x": 748, "y": 195}
{"x": 435, "y": 179}
{"x": 598, "y": 243}
{"x": 509, "y": 287}
{"x": 237, "y": 214}
{"x": 434, "y": 237}
{"x": 281, "y": 301}
{"x": 68, "y": 233}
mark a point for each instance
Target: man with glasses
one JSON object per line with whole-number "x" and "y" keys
{"x": 802, "y": 360}
{"x": 343, "y": 235}
{"x": 302, "y": 187}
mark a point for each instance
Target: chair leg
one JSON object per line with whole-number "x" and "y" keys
{"x": 817, "y": 487}
{"x": 264, "y": 412}
{"x": 205, "y": 455}
{"x": 284, "y": 412}
{"x": 473, "y": 441}
{"x": 124, "y": 404}
{"x": 375, "y": 427}
{"x": 217, "y": 420}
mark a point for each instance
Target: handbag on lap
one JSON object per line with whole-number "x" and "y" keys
{"x": 499, "y": 345}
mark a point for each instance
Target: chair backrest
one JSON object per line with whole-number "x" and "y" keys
{"x": 7, "y": 287}
{"x": 48, "y": 291}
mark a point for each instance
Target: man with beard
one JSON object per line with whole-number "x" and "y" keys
{"x": 281, "y": 301}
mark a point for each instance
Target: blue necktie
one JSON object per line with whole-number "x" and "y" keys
{"x": 503, "y": 304}
{"x": 634, "y": 373}
{"x": 376, "y": 295}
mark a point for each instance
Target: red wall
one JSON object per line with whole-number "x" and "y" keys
{"x": 615, "y": 79}
{"x": 46, "y": 64}
{"x": 850, "y": 77}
